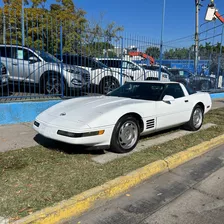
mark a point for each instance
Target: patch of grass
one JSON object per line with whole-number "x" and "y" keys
{"x": 34, "y": 178}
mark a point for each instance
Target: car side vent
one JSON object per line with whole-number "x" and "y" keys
{"x": 150, "y": 123}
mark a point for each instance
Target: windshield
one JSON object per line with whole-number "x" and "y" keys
{"x": 100, "y": 64}
{"x": 48, "y": 57}
{"x": 138, "y": 90}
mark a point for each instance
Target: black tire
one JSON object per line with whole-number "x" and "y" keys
{"x": 191, "y": 125}
{"x": 205, "y": 86}
{"x": 52, "y": 85}
{"x": 130, "y": 127}
{"x": 108, "y": 84}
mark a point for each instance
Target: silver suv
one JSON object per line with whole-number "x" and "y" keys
{"x": 41, "y": 68}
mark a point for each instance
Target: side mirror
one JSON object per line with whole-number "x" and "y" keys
{"x": 168, "y": 98}
{"x": 33, "y": 59}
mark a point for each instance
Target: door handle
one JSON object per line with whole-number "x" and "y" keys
{"x": 186, "y": 101}
{"x": 14, "y": 64}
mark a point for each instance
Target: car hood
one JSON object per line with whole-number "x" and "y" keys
{"x": 86, "y": 109}
{"x": 66, "y": 67}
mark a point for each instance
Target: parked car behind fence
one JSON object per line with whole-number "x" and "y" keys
{"x": 101, "y": 75}
{"x": 197, "y": 82}
{"x": 39, "y": 68}
{"x": 132, "y": 69}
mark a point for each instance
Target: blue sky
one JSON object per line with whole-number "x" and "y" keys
{"x": 144, "y": 17}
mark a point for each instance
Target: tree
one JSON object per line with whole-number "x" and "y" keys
{"x": 43, "y": 27}
{"x": 153, "y": 51}
{"x": 177, "y": 53}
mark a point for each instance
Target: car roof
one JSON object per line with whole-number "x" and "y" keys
{"x": 117, "y": 59}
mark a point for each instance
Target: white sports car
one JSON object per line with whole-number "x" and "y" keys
{"x": 119, "y": 118}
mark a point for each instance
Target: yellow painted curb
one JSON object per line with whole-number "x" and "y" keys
{"x": 86, "y": 200}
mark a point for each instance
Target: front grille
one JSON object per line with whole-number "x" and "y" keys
{"x": 150, "y": 123}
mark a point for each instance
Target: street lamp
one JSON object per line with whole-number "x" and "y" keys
{"x": 161, "y": 40}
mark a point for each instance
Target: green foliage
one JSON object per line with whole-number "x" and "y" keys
{"x": 42, "y": 27}
{"x": 153, "y": 51}
{"x": 177, "y": 53}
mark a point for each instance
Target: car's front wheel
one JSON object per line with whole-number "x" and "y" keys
{"x": 196, "y": 120}
{"x": 125, "y": 135}
{"x": 53, "y": 85}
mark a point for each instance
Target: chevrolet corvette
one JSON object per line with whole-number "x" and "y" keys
{"x": 117, "y": 120}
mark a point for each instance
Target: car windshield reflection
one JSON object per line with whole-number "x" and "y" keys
{"x": 141, "y": 91}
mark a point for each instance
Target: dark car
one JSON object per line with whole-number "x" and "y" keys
{"x": 197, "y": 82}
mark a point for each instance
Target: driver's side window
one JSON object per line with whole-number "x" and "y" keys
{"x": 24, "y": 54}
{"x": 174, "y": 90}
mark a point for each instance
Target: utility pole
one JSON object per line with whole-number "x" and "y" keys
{"x": 196, "y": 50}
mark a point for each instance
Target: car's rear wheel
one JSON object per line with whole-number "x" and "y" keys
{"x": 196, "y": 120}
{"x": 108, "y": 84}
{"x": 125, "y": 135}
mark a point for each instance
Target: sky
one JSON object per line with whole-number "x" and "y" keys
{"x": 144, "y": 17}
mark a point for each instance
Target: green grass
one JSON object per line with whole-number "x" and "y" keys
{"x": 37, "y": 177}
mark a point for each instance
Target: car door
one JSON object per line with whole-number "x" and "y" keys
{"x": 175, "y": 112}
{"x": 29, "y": 65}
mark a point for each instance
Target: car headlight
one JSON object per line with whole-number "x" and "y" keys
{"x": 77, "y": 72}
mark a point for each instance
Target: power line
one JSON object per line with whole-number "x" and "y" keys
{"x": 211, "y": 37}
{"x": 181, "y": 38}
{"x": 192, "y": 35}
{"x": 211, "y": 29}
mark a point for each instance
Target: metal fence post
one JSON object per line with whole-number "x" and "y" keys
{"x": 23, "y": 38}
{"x": 161, "y": 41}
{"x": 122, "y": 49}
{"x": 61, "y": 55}
{"x": 219, "y": 57}
{"x": 4, "y": 28}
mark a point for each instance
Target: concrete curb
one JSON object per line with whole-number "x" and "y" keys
{"x": 83, "y": 202}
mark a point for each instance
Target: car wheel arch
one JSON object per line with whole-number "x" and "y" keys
{"x": 137, "y": 117}
{"x": 201, "y": 105}
{"x": 50, "y": 72}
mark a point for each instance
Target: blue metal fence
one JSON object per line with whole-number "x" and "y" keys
{"x": 58, "y": 59}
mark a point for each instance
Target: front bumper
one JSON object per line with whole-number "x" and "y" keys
{"x": 51, "y": 132}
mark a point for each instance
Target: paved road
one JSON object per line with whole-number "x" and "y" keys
{"x": 190, "y": 194}
{"x": 19, "y": 136}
